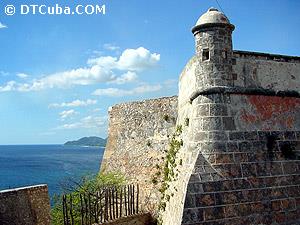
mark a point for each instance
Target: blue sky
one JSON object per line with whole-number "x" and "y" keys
{"x": 60, "y": 74}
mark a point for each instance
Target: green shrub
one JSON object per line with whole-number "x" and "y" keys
{"x": 86, "y": 184}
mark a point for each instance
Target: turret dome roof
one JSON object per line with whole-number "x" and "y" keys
{"x": 212, "y": 16}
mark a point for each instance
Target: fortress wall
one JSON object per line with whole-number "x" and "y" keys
{"x": 240, "y": 153}
{"x": 187, "y": 153}
{"x": 26, "y": 206}
{"x": 215, "y": 160}
{"x": 234, "y": 170}
{"x": 247, "y": 170}
{"x": 138, "y": 136}
{"x": 216, "y": 184}
{"x": 250, "y": 69}
{"x": 267, "y": 71}
{"x": 187, "y": 85}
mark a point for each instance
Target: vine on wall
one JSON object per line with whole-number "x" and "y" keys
{"x": 168, "y": 172}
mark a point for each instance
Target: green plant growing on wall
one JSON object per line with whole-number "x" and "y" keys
{"x": 86, "y": 184}
{"x": 168, "y": 172}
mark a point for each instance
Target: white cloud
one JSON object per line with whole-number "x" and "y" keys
{"x": 116, "y": 92}
{"x": 67, "y": 114}
{"x": 125, "y": 78}
{"x": 75, "y": 103}
{"x": 2, "y": 25}
{"x": 99, "y": 70}
{"x": 81, "y": 76}
{"x": 9, "y": 86}
{"x": 111, "y": 47}
{"x": 138, "y": 59}
{"x": 131, "y": 59}
{"x": 108, "y": 62}
{"x": 22, "y": 75}
{"x": 88, "y": 122}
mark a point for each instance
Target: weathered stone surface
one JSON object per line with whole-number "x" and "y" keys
{"x": 271, "y": 72}
{"x": 241, "y": 151}
{"x": 247, "y": 137}
{"x": 26, "y": 206}
{"x": 139, "y": 135}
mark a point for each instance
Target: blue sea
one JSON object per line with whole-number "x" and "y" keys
{"x": 24, "y": 165}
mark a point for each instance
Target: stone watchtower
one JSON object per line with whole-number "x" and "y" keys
{"x": 243, "y": 118}
{"x": 213, "y": 35}
{"x": 239, "y": 113}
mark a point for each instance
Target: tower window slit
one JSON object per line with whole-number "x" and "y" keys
{"x": 225, "y": 55}
{"x": 205, "y": 54}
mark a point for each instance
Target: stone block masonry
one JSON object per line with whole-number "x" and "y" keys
{"x": 250, "y": 170}
{"x": 241, "y": 150}
{"x": 240, "y": 117}
{"x": 25, "y": 206}
{"x": 138, "y": 138}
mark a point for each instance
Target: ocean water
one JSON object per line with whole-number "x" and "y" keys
{"x": 24, "y": 165}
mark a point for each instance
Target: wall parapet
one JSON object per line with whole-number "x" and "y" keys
{"x": 26, "y": 206}
{"x": 268, "y": 56}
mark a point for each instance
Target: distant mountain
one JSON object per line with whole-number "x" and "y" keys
{"x": 88, "y": 141}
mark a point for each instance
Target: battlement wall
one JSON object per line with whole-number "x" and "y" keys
{"x": 26, "y": 206}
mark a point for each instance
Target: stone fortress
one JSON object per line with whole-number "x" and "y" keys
{"x": 240, "y": 118}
